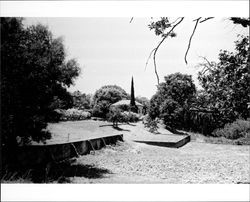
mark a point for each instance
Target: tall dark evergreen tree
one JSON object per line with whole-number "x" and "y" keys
{"x": 132, "y": 99}
{"x": 133, "y": 106}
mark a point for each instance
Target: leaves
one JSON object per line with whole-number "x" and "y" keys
{"x": 34, "y": 75}
{"x": 226, "y": 83}
{"x": 106, "y": 96}
{"x": 172, "y": 99}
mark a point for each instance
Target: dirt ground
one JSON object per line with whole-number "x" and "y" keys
{"x": 131, "y": 162}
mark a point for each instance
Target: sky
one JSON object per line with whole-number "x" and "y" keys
{"x": 112, "y": 50}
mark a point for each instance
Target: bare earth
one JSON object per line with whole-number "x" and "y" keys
{"x": 196, "y": 162}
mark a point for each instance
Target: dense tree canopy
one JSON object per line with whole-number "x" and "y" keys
{"x": 226, "y": 84}
{"x": 34, "y": 74}
{"x": 81, "y": 100}
{"x": 172, "y": 99}
{"x": 106, "y": 96}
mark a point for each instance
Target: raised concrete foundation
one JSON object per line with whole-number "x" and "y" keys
{"x": 32, "y": 155}
{"x": 174, "y": 141}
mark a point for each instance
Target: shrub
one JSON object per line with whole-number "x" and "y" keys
{"x": 101, "y": 109}
{"x": 152, "y": 124}
{"x": 238, "y": 129}
{"x": 172, "y": 113}
{"x": 73, "y": 114}
{"x": 203, "y": 121}
{"x": 115, "y": 115}
{"x": 131, "y": 116}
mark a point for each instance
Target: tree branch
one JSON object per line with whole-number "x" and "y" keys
{"x": 190, "y": 39}
{"x": 208, "y": 18}
{"x": 206, "y": 67}
{"x": 149, "y": 58}
{"x": 154, "y": 51}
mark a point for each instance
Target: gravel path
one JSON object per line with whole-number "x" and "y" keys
{"x": 131, "y": 162}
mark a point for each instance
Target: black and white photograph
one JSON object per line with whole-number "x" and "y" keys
{"x": 125, "y": 100}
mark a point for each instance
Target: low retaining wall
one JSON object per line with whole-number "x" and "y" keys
{"x": 42, "y": 154}
{"x": 177, "y": 144}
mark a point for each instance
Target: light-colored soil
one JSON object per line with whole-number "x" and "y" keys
{"x": 132, "y": 162}
{"x": 196, "y": 162}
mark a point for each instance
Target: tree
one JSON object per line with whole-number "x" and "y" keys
{"x": 106, "y": 96}
{"x": 34, "y": 73}
{"x": 115, "y": 115}
{"x": 81, "y": 100}
{"x": 133, "y": 106}
{"x": 165, "y": 29}
{"x": 226, "y": 84}
{"x": 132, "y": 100}
{"x": 173, "y": 99}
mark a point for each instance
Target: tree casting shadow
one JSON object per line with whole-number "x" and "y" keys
{"x": 62, "y": 173}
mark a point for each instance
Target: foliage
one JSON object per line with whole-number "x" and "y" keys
{"x": 145, "y": 102}
{"x": 226, "y": 84}
{"x": 81, "y": 100}
{"x": 203, "y": 120}
{"x": 34, "y": 74}
{"x": 106, "y": 96}
{"x": 131, "y": 116}
{"x": 73, "y": 114}
{"x": 172, "y": 113}
{"x": 161, "y": 26}
{"x": 150, "y": 123}
{"x": 237, "y": 129}
{"x": 173, "y": 99}
{"x": 115, "y": 115}
{"x": 241, "y": 21}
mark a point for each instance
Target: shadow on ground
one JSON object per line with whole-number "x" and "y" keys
{"x": 120, "y": 129}
{"x": 130, "y": 124}
{"x": 63, "y": 172}
{"x": 57, "y": 173}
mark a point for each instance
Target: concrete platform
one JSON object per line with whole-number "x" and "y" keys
{"x": 174, "y": 141}
{"x": 41, "y": 154}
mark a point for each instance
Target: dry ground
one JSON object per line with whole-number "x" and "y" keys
{"x": 196, "y": 162}
{"x": 132, "y": 162}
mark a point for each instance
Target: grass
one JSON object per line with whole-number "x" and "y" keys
{"x": 131, "y": 162}
{"x": 198, "y": 137}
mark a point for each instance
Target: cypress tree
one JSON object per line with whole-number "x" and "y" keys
{"x": 132, "y": 99}
{"x": 133, "y": 107}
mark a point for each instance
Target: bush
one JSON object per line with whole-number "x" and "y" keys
{"x": 101, "y": 109}
{"x": 238, "y": 129}
{"x": 131, "y": 116}
{"x": 203, "y": 121}
{"x": 152, "y": 124}
{"x": 172, "y": 113}
{"x": 73, "y": 114}
{"x": 115, "y": 115}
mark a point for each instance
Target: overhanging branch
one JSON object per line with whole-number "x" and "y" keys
{"x": 154, "y": 51}
{"x": 190, "y": 39}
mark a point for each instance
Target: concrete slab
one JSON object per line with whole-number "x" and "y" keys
{"x": 174, "y": 141}
{"x": 75, "y": 131}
